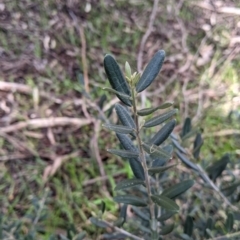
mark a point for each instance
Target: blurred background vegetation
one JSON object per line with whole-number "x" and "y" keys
{"x": 54, "y": 168}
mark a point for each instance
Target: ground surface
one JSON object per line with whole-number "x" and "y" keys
{"x": 51, "y": 79}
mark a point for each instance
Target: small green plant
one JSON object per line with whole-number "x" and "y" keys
{"x": 149, "y": 158}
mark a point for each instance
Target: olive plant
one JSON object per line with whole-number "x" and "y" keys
{"x": 149, "y": 158}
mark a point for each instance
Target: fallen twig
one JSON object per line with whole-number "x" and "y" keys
{"x": 45, "y": 123}
{"x": 221, "y": 133}
{"x": 120, "y": 230}
{"x": 22, "y": 88}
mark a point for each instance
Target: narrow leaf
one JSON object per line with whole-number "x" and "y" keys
{"x": 103, "y": 207}
{"x": 123, "y": 213}
{"x": 159, "y": 162}
{"x": 187, "y": 126}
{"x": 186, "y": 161}
{"x": 216, "y": 169}
{"x": 165, "y": 203}
{"x": 151, "y": 71}
{"x": 137, "y": 168}
{"x": 135, "y": 164}
{"x": 229, "y": 222}
{"x": 190, "y": 134}
{"x": 97, "y": 222}
{"x": 101, "y": 101}
{"x": 198, "y": 142}
{"x": 115, "y": 235}
{"x": 165, "y": 216}
{"x": 178, "y": 189}
{"x": 155, "y": 151}
{"x": 163, "y": 133}
{"x": 188, "y": 226}
{"x": 116, "y": 78}
{"x": 160, "y": 119}
{"x": 123, "y": 153}
{"x": 141, "y": 213}
{"x": 128, "y": 183}
{"x": 126, "y": 142}
{"x": 80, "y": 236}
{"x": 168, "y": 148}
{"x": 123, "y": 95}
{"x": 124, "y": 116}
{"x": 155, "y": 170}
{"x": 119, "y": 128}
{"x": 131, "y": 200}
{"x": 208, "y": 228}
{"x": 148, "y": 111}
{"x": 128, "y": 70}
{"x": 167, "y": 229}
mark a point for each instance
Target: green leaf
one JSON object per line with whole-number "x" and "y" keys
{"x": 137, "y": 168}
{"x": 123, "y": 153}
{"x": 185, "y": 236}
{"x": 80, "y": 236}
{"x": 114, "y": 235}
{"x": 148, "y": 111}
{"x": 128, "y": 70}
{"x": 141, "y": 213}
{"x": 97, "y": 222}
{"x": 216, "y": 169}
{"x": 186, "y": 127}
{"x": 188, "y": 226}
{"x": 151, "y": 71}
{"x": 178, "y": 189}
{"x": 123, "y": 213}
{"x": 155, "y": 170}
{"x": 229, "y": 222}
{"x": 168, "y": 148}
{"x": 131, "y": 200}
{"x": 186, "y": 161}
{"x": 165, "y": 216}
{"x": 198, "y": 142}
{"x": 116, "y": 78}
{"x": 128, "y": 183}
{"x": 101, "y": 101}
{"x": 160, "y": 118}
{"x": 126, "y": 142}
{"x": 103, "y": 206}
{"x": 160, "y": 161}
{"x": 208, "y": 228}
{"x": 123, "y": 95}
{"x": 155, "y": 151}
{"x": 135, "y": 164}
{"x": 167, "y": 229}
{"x": 163, "y": 133}
{"x": 124, "y": 116}
{"x": 119, "y": 128}
{"x": 165, "y": 203}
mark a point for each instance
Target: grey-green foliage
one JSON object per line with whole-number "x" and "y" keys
{"x": 149, "y": 160}
{"x": 211, "y": 174}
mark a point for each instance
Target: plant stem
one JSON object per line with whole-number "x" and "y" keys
{"x": 122, "y": 231}
{"x": 144, "y": 162}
